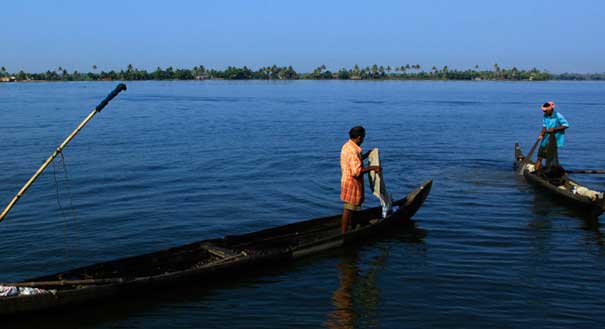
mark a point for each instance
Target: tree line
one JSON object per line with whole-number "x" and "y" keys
{"x": 374, "y": 72}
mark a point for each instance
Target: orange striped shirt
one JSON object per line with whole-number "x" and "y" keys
{"x": 351, "y": 182}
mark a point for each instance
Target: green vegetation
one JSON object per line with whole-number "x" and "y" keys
{"x": 374, "y": 72}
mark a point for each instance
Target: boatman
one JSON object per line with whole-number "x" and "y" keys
{"x": 351, "y": 183}
{"x": 554, "y": 123}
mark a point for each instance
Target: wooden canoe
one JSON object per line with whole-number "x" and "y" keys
{"x": 194, "y": 263}
{"x": 564, "y": 188}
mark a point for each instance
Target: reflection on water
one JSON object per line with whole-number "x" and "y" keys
{"x": 357, "y": 298}
{"x": 545, "y": 205}
{"x": 545, "y": 208}
{"x": 356, "y": 301}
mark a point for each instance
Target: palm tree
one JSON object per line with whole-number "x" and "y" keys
{"x": 402, "y": 70}
{"x": 2, "y": 71}
{"x": 514, "y": 72}
{"x": 317, "y": 72}
{"x": 274, "y": 71}
{"x": 374, "y": 71}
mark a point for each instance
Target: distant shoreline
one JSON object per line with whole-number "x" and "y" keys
{"x": 375, "y": 80}
{"x": 374, "y": 73}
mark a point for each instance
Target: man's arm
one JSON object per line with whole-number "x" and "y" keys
{"x": 357, "y": 166}
{"x": 542, "y": 133}
{"x": 554, "y": 130}
{"x": 377, "y": 169}
{"x": 366, "y": 155}
{"x": 562, "y": 122}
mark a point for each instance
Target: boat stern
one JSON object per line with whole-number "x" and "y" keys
{"x": 519, "y": 157}
{"x": 601, "y": 202}
{"x": 413, "y": 201}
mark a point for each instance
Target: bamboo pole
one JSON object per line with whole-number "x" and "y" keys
{"x": 59, "y": 149}
{"x": 528, "y": 157}
{"x": 587, "y": 171}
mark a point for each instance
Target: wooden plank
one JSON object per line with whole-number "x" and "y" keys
{"x": 63, "y": 282}
{"x": 220, "y": 251}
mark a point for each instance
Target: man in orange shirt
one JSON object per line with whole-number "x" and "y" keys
{"x": 351, "y": 183}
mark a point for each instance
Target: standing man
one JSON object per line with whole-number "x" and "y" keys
{"x": 351, "y": 183}
{"x": 554, "y": 123}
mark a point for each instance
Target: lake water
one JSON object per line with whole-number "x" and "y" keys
{"x": 168, "y": 163}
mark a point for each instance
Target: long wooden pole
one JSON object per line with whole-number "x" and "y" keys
{"x": 528, "y": 157}
{"x": 587, "y": 171}
{"x": 59, "y": 149}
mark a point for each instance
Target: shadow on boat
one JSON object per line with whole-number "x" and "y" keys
{"x": 91, "y": 315}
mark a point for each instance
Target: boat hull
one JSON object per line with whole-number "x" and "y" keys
{"x": 590, "y": 203}
{"x": 197, "y": 262}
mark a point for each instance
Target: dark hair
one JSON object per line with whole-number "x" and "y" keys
{"x": 546, "y": 105}
{"x": 357, "y": 132}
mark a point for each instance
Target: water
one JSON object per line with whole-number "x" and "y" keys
{"x": 167, "y": 163}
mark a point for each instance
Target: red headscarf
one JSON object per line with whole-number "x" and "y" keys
{"x": 551, "y": 106}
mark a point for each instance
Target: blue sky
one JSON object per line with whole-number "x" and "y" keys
{"x": 560, "y": 36}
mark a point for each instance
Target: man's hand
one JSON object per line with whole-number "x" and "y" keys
{"x": 377, "y": 169}
{"x": 552, "y": 130}
{"x": 366, "y": 155}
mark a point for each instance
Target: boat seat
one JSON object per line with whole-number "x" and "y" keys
{"x": 220, "y": 251}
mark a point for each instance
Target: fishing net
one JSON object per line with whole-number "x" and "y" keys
{"x": 71, "y": 235}
{"x": 553, "y": 154}
{"x": 553, "y": 169}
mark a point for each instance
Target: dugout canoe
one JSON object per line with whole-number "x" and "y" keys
{"x": 194, "y": 263}
{"x": 563, "y": 188}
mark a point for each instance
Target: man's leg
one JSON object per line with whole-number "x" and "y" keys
{"x": 538, "y": 163}
{"x": 541, "y": 155}
{"x": 346, "y": 219}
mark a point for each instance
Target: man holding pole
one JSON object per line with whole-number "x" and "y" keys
{"x": 554, "y": 123}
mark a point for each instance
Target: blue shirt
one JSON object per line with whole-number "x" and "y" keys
{"x": 554, "y": 121}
